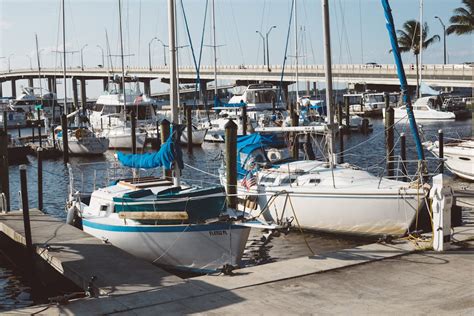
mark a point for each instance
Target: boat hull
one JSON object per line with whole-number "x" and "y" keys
{"x": 458, "y": 158}
{"x": 198, "y": 136}
{"x": 123, "y": 140}
{"x": 199, "y": 248}
{"x": 86, "y": 146}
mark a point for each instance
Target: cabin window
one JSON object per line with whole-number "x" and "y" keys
{"x": 104, "y": 207}
{"x": 288, "y": 180}
{"x": 465, "y": 158}
{"x": 267, "y": 179}
{"x": 315, "y": 181}
{"x": 261, "y": 96}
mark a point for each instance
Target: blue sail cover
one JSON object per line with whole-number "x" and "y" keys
{"x": 218, "y": 103}
{"x": 247, "y": 144}
{"x": 169, "y": 152}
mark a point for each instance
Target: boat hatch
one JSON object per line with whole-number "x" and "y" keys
{"x": 270, "y": 179}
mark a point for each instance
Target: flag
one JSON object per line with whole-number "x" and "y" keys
{"x": 249, "y": 180}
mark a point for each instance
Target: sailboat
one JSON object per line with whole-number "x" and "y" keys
{"x": 162, "y": 221}
{"x": 325, "y": 196}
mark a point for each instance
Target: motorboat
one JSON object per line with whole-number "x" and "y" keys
{"x": 33, "y": 98}
{"x": 424, "y": 109}
{"x": 369, "y": 103}
{"x": 82, "y": 141}
{"x": 15, "y": 117}
{"x": 458, "y": 156}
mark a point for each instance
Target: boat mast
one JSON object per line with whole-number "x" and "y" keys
{"x": 421, "y": 48}
{"x": 214, "y": 46}
{"x": 296, "y": 49}
{"x": 402, "y": 77}
{"x": 123, "y": 66}
{"x": 173, "y": 78}
{"x": 328, "y": 75}
{"x": 64, "y": 60}
{"x": 39, "y": 70}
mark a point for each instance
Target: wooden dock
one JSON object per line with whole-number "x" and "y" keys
{"x": 129, "y": 285}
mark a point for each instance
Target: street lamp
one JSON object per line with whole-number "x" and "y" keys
{"x": 9, "y": 69}
{"x": 82, "y": 57}
{"x": 263, "y": 40}
{"x": 444, "y": 36}
{"x": 268, "y": 48}
{"x": 149, "y": 51}
{"x": 164, "y": 50}
{"x": 102, "y": 52}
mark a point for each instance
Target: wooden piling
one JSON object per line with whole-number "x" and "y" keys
{"x": 403, "y": 156}
{"x": 244, "y": 120}
{"x": 341, "y": 144}
{"x": 441, "y": 150}
{"x": 165, "y": 133}
{"x": 74, "y": 93}
{"x": 308, "y": 148}
{"x": 231, "y": 163}
{"x": 294, "y": 122}
{"x": 339, "y": 114}
{"x": 133, "y": 119}
{"x": 18, "y": 126}
{"x": 273, "y": 105}
{"x": 189, "y": 129}
{"x": 348, "y": 116}
{"x": 389, "y": 125}
{"x": 33, "y": 133}
{"x": 65, "y": 142}
{"x": 5, "y": 178}
{"x": 25, "y": 208}
{"x": 39, "y": 126}
{"x": 5, "y": 121}
{"x": 39, "y": 156}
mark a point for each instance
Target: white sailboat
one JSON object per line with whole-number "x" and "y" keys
{"x": 82, "y": 141}
{"x": 325, "y": 196}
{"x": 164, "y": 222}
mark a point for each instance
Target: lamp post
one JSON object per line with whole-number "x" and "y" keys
{"x": 149, "y": 51}
{"x": 444, "y": 36}
{"x": 82, "y": 56}
{"x": 164, "y": 50}
{"x": 9, "y": 56}
{"x": 268, "y": 47}
{"x": 263, "y": 40}
{"x": 102, "y": 52}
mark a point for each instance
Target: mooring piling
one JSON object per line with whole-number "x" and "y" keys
{"x": 25, "y": 208}
{"x": 4, "y": 179}
{"x": 134, "y": 131}
{"x": 231, "y": 162}
{"x": 389, "y": 125}
{"x": 244, "y": 120}
{"x": 341, "y": 144}
{"x": 18, "y": 126}
{"x": 39, "y": 156}
{"x": 294, "y": 122}
{"x": 441, "y": 150}
{"x": 5, "y": 120}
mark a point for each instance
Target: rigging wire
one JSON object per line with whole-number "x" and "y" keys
{"x": 237, "y": 31}
{"x": 361, "y": 34}
{"x": 285, "y": 56}
{"x": 139, "y": 30}
{"x": 261, "y": 28}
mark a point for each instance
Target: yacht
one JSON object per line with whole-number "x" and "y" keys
{"x": 30, "y": 98}
{"x": 15, "y": 117}
{"x": 424, "y": 109}
{"x": 369, "y": 103}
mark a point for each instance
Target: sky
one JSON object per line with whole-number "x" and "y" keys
{"x": 358, "y": 33}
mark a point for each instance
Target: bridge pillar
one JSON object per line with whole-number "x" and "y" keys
{"x": 74, "y": 93}
{"x": 50, "y": 85}
{"x": 14, "y": 88}
{"x": 30, "y": 82}
{"x": 83, "y": 93}
{"x": 105, "y": 82}
{"x": 1, "y": 89}
{"x": 146, "y": 83}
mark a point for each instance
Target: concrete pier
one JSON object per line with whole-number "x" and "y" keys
{"x": 369, "y": 279}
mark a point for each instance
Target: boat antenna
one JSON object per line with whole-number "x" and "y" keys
{"x": 214, "y": 47}
{"x": 123, "y": 66}
{"x": 418, "y": 89}
{"x": 402, "y": 78}
{"x": 173, "y": 78}
{"x": 296, "y": 49}
{"x": 328, "y": 75}
{"x": 64, "y": 59}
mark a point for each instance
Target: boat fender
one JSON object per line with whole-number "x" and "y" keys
{"x": 80, "y": 133}
{"x": 71, "y": 211}
{"x": 228, "y": 269}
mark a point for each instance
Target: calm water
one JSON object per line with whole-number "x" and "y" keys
{"x": 368, "y": 150}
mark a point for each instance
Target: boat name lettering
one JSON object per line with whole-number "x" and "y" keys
{"x": 218, "y": 233}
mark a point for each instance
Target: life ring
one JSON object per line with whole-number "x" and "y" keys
{"x": 80, "y": 133}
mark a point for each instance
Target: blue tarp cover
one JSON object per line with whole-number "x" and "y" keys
{"x": 218, "y": 103}
{"x": 169, "y": 152}
{"x": 247, "y": 144}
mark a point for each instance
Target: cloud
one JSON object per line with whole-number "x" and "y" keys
{"x": 5, "y": 25}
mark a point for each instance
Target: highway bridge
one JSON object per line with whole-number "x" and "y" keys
{"x": 455, "y": 75}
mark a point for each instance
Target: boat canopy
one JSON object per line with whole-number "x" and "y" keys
{"x": 247, "y": 147}
{"x": 169, "y": 153}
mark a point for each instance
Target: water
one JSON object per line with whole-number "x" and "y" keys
{"x": 368, "y": 150}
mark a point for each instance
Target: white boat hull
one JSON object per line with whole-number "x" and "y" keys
{"x": 459, "y": 157}
{"x": 199, "y": 248}
{"x": 121, "y": 138}
{"x": 198, "y": 136}
{"x": 86, "y": 146}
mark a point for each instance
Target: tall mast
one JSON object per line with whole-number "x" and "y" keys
{"x": 123, "y": 65}
{"x": 173, "y": 78}
{"x": 214, "y": 46}
{"x": 328, "y": 75}
{"x": 39, "y": 66}
{"x": 296, "y": 49}
{"x": 421, "y": 47}
{"x": 64, "y": 60}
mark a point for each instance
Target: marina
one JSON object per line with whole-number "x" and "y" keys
{"x": 197, "y": 186}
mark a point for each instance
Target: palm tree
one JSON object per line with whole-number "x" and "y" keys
{"x": 462, "y": 22}
{"x": 409, "y": 40}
